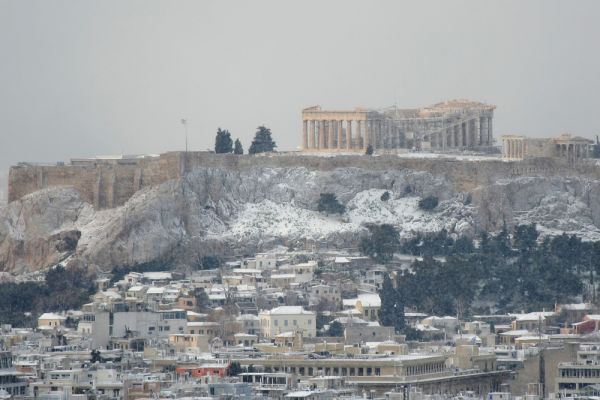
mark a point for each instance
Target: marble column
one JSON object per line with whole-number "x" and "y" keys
{"x": 458, "y": 135}
{"x": 322, "y": 134}
{"x": 467, "y": 129}
{"x": 330, "y": 140}
{"x": 304, "y": 134}
{"x": 367, "y": 140}
{"x": 374, "y": 134}
{"x": 476, "y": 133}
{"x": 311, "y": 135}
{"x": 340, "y": 134}
{"x": 349, "y": 134}
{"x": 489, "y": 131}
{"x": 358, "y": 137}
{"x": 484, "y": 131}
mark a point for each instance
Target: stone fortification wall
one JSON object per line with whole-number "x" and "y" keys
{"x": 110, "y": 183}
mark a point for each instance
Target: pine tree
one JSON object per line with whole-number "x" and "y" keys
{"x": 262, "y": 143}
{"x": 223, "y": 142}
{"x": 237, "y": 148}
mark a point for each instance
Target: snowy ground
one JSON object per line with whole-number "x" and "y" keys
{"x": 419, "y": 155}
{"x": 267, "y": 218}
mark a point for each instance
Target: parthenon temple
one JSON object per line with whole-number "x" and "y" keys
{"x": 571, "y": 148}
{"x": 451, "y": 125}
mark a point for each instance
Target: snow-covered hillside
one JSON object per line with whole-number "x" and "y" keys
{"x": 212, "y": 210}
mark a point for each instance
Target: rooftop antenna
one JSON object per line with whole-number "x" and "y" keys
{"x": 184, "y": 123}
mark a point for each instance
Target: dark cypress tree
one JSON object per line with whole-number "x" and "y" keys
{"x": 369, "y": 150}
{"x": 336, "y": 329}
{"x": 262, "y": 143}
{"x": 223, "y": 142}
{"x": 237, "y": 148}
{"x": 392, "y": 307}
{"x": 388, "y": 302}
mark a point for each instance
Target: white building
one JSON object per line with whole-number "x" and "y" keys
{"x": 262, "y": 261}
{"x": 287, "y": 319}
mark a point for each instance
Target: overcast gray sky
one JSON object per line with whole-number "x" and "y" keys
{"x": 82, "y": 78}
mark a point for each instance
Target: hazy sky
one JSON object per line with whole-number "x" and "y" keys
{"x": 81, "y": 78}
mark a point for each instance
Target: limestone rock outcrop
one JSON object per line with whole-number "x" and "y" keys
{"x": 230, "y": 211}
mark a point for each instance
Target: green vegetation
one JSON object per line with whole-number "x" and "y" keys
{"x": 518, "y": 273}
{"x": 208, "y": 262}
{"x": 262, "y": 143}
{"x": 223, "y": 142}
{"x": 329, "y": 204}
{"x": 369, "y": 150}
{"x": 428, "y": 203}
{"x": 237, "y": 147}
{"x": 234, "y": 369}
{"x": 62, "y": 289}
{"x": 381, "y": 243}
{"x": 392, "y": 305}
{"x": 385, "y": 196}
{"x": 336, "y": 329}
{"x": 508, "y": 272}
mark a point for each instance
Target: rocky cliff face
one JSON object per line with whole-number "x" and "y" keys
{"x": 223, "y": 211}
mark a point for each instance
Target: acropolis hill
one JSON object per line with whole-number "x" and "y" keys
{"x": 124, "y": 210}
{"x": 110, "y": 182}
{"x": 449, "y": 128}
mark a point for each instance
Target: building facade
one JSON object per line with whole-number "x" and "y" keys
{"x": 566, "y": 146}
{"x": 455, "y": 124}
{"x": 287, "y": 319}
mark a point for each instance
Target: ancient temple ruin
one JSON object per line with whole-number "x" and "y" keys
{"x": 451, "y": 125}
{"x": 572, "y": 148}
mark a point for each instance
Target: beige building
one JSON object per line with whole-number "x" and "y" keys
{"x": 566, "y": 146}
{"x": 287, "y": 319}
{"x": 455, "y": 124}
{"x": 50, "y": 321}
{"x": 189, "y": 342}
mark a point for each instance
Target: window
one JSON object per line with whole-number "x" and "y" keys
{"x": 276, "y": 322}
{"x": 310, "y": 321}
{"x": 285, "y": 322}
{"x": 295, "y": 322}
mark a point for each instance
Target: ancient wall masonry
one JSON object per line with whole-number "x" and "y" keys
{"x": 108, "y": 183}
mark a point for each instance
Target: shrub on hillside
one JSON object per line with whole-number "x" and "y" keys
{"x": 428, "y": 203}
